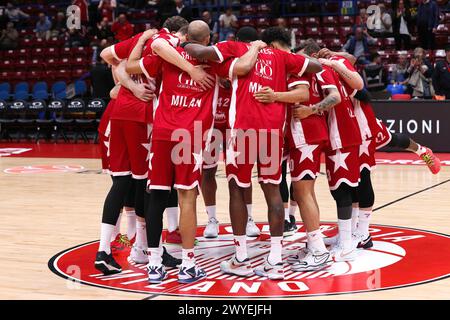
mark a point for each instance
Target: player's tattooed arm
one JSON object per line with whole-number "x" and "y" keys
{"x": 246, "y": 62}
{"x": 314, "y": 66}
{"x": 352, "y": 78}
{"x": 142, "y": 91}
{"x": 298, "y": 94}
{"x": 201, "y": 52}
{"x": 331, "y": 99}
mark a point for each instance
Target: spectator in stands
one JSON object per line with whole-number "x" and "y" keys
{"x": 43, "y": 26}
{"x": 15, "y": 14}
{"x": 182, "y": 10}
{"x": 398, "y": 75}
{"x": 400, "y": 23}
{"x": 166, "y": 8}
{"x": 206, "y": 16}
{"x": 361, "y": 21}
{"x": 76, "y": 37}
{"x": 381, "y": 24}
{"x": 59, "y": 25}
{"x": 228, "y": 23}
{"x": 9, "y": 37}
{"x": 104, "y": 30}
{"x": 358, "y": 45}
{"x": 84, "y": 11}
{"x": 122, "y": 29}
{"x": 281, "y": 22}
{"x": 108, "y": 8}
{"x": 441, "y": 76}
{"x": 373, "y": 74}
{"x": 427, "y": 22}
{"x": 419, "y": 74}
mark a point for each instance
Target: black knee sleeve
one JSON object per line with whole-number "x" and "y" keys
{"x": 130, "y": 200}
{"x": 154, "y": 216}
{"x": 399, "y": 140}
{"x": 284, "y": 191}
{"x": 139, "y": 197}
{"x": 291, "y": 192}
{"x": 365, "y": 190}
{"x": 343, "y": 195}
{"x": 355, "y": 195}
{"x": 115, "y": 198}
{"x": 173, "y": 199}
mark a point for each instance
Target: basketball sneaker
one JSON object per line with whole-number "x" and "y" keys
{"x": 192, "y": 274}
{"x": 170, "y": 261}
{"x": 331, "y": 241}
{"x": 234, "y": 266}
{"x": 106, "y": 264}
{"x": 138, "y": 255}
{"x": 173, "y": 237}
{"x": 339, "y": 254}
{"x": 120, "y": 243}
{"x": 211, "y": 229}
{"x": 273, "y": 272}
{"x": 312, "y": 261}
{"x": 433, "y": 162}
{"x": 364, "y": 241}
{"x": 289, "y": 229}
{"x": 301, "y": 254}
{"x": 252, "y": 230}
{"x": 156, "y": 274}
{"x": 293, "y": 222}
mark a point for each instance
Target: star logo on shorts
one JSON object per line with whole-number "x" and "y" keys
{"x": 231, "y": 155}
{"x": 198, "y": 158}
{"x": 150, "y": 157}
{"x": 307, "y": 152}
{"x": 107, "y": 147}
{"x": 364, "y": 148}
{"x": 147, "y": 147}
{"x": 339, "y": 160}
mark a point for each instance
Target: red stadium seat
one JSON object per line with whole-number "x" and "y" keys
{"x": 442, "y": 29}
{"x": 65, "y": 52}
{"x": 6, "y": 65}
{"x": 295, "y": 22}
{"x": 51, "y": 52}
{"x": 344, "y": 31}
{"x": 39, "y": 42}
{"x": 10, "y": 54}
{"x": 36, "y": 64}
{"x": 330, "y": 31}
{"x": 21, "y": 65}
{"x": 248, "y": 10}
{"x": 79, "y": 62}
{"x": 78, "y": 52}
{"x": 388, "y": 44}
{"x": 52, "y": 64}
{"x": 312, "y": 21}
{"x": 346, "y": 20}
{"x": 37, "y": 52}
{"x": 263, "y": 9}
{"x": 246, "y": 22}
{"x": 401, "y": 96}
{"x": 299, "y": 33}
{"x": 331, "y": 21}
{"x": 24, "y": 53}
{"x": 77, "y": 73}
{"x": 320, "y": 42}
{"x": 312, "y": 32}
{"x": 334, "y": 44}
{"x": 55, "y": 42}
{"x": 263, "y": 22}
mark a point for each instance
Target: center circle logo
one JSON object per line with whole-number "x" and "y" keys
{"x": 400, "y": 257}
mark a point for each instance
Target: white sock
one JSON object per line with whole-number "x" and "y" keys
{"x": 345, "y": 233}
{"x": 286, "y": 214}
{"x": 249, "y": 211}
{"x": 131, "y": 224}
{"x": 276, "y": 247}
{"x": 355, "y": 213}
{"x": 211, "y": 212}
{"x": 154, "y": 256}
{"x": 116, "y": 228}
{"x": 106, "y": 232}
{"x": 315, "y": 241}
{"x": 141, "y": 234}
{"x": 188, "y": 257}
{"x": 420, "y": 150}
{"x": 172, "y": 218}
{"x": 364, "y": 221}
{"x": 293, "y": 208}
{"x": 240, "y": 245}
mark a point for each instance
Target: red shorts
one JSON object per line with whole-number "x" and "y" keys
{"x": 265, "y": 150}
{"x": 305, "y": 161}
{"x": 211, "y": 155}
{"x": 342, "y": 166}
{"x": 129, "y": 148}
{"x": 182, "y": 172}
{"x": 367, "y": 155}
{"x": 103, "y": 144}
{"x": 383, "y": 136}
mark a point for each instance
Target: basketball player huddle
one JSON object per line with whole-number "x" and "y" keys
{"x": 179, "y": 103}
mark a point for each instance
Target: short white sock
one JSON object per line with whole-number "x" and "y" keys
{"x": 249, "y": 211}
{"x": 211, "y": 211}
{"x": 345, "y": 233}
{"x": 420, "y": 150}
{"x": 131, "y": 224}
{"x": 240, "y": 245}
{"x": 355, "y": 213}
{"x": 154, "y": 256}
{"x": 276, "y": 247}
{"x": 106, "y": 232}
{"x": 172, "y": 218}
{"x": 188, "y": 258}
{"x": 364, "y": 221}
{"x": 315, "y": 241}
{"x": 293, "y": 208}
{"x": 116, "y": 228}
{"x": 286, "y": 214}
{"x": 141, "y": 234}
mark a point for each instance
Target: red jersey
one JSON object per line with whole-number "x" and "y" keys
{"x": 106, "y": 116}
{"x": 271, "y": 69}
{"x": 222, "y": 109}
{"x": 312, "y": 130}
{"x": 366, "y": 118}
{"x": 131, "y": 108}
{"x": 343, "y": 127}
{"x": 181, "y": 101}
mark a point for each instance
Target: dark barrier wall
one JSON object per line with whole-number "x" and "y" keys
{"x": 427, "y": 122}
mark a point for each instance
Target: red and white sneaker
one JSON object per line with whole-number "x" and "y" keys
{"x": 433, "y": 162}
{"x": 120, "y": 243}
{"x": 173, "y": 237}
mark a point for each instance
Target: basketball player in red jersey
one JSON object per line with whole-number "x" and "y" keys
{"x": 263, "y": 123}
{"x": 182, "y": 106}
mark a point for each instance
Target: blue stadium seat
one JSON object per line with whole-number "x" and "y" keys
{"x": 5, "y": 89}
{"x": 59, "y": 90}
{"x": 80, "y": 87}
{"x": 21, "y": 91}
{"x": 40, "y": 91}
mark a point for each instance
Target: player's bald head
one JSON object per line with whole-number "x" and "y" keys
{"x": 198, "y": 31}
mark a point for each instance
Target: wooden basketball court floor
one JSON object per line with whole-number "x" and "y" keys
{"x": 42, "y": 214}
